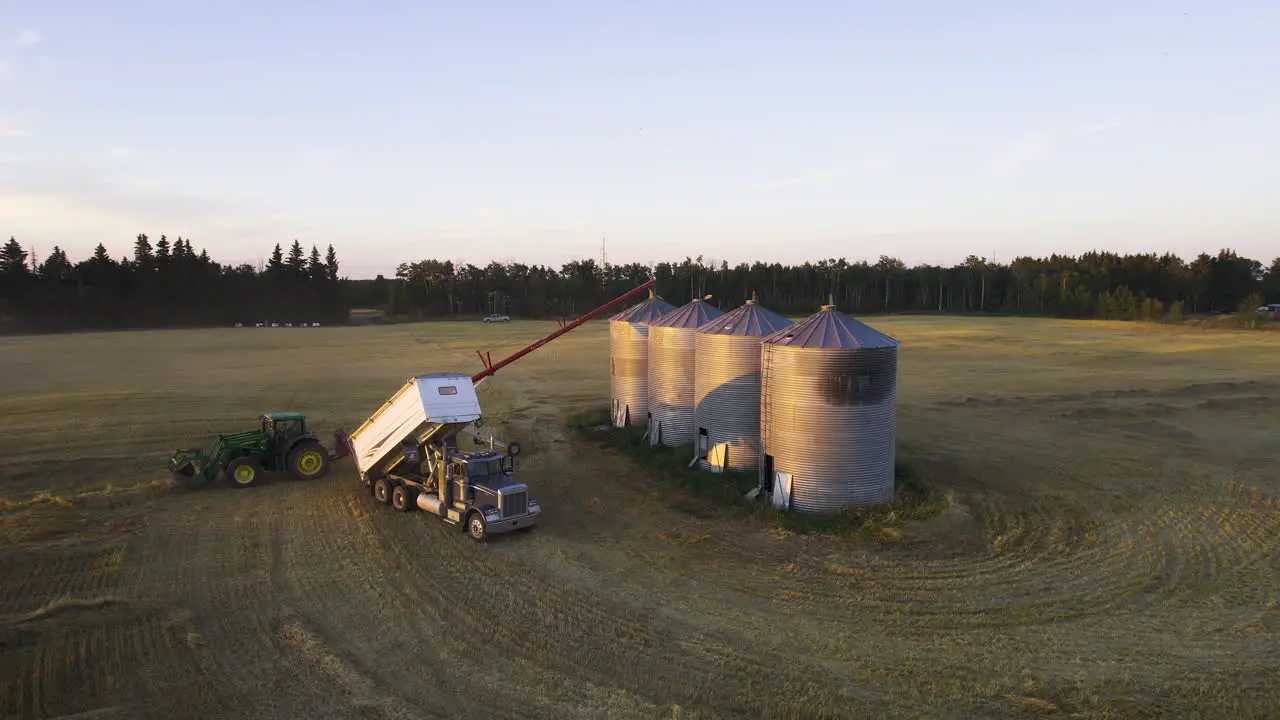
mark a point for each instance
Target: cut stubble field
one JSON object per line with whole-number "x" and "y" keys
{"x": 1110, "y": 547}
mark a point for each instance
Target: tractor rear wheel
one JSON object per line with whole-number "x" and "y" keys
{"x": 308, "y": 461}
{"x": 382, "y": 491}
{"x": 244, "y": 472}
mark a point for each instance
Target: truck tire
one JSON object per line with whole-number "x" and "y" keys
{"x": 476, "y": 527}
{"x": 308, "y": 461}
{"x": 402, "y": 498}
{"x": 244, "y": 472}
{"x": 382, "y": 491}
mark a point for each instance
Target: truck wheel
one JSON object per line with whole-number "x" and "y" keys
{"x": 382, "y": 491}
{"x": 244, "y": 472}
{"x": 308, "y": 461}
{"x": 402, "y": 499}
{"x": 475, "y": 527}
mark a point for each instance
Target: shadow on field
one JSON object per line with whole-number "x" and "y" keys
{"x": 706, "y": 495}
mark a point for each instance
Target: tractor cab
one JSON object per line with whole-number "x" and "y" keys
{"x": 282, "y": 427}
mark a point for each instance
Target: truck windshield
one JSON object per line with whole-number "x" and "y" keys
{"x": 484, "y": 468}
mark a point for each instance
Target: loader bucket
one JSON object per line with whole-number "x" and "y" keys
{"x": 184, "y": 469}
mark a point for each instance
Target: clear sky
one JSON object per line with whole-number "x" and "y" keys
{"x": 746, "y": 130}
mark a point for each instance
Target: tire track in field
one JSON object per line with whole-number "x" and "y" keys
{"x": 561, "y": 619}
{"x": 415, "y": 600}
{"x": 214, "y": 565}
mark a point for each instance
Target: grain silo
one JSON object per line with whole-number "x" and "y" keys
{"x": 726, "y": 387}
{"x": 828, "y": 414}
{"x": 629, "y": 360}
{"x": 671, "y": 367}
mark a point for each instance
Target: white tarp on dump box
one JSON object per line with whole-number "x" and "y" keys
{"x": 418, "y": 410}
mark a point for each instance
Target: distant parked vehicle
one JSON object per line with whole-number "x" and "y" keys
{"x": 496, "y": 318}
{"x": 1271, "y": 311}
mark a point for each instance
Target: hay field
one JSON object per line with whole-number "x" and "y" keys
{"x": 1111, "y": 548}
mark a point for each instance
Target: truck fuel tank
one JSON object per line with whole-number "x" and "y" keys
{"x": 431, "y": 503}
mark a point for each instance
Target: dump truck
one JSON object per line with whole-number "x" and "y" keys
{"x": 280, "y": 443}
{"x": 407, "y": 456}
{"x": 407, "y": 453}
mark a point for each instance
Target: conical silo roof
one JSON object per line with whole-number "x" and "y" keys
{"x": 749, "y": 320}
{"x": 831, "y": 330}
{"x": 645, "y": 312}
{"x": 691, "y": 315}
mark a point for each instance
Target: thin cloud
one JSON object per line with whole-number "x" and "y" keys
{"x": 1096, "y": 128}
{"x": 808, "y": 178}
{"x": 781, "y": 183}
{"x": 322, "y": 159}
{"x": 11, "y": 126}
{"x": 29, "y": 38}
{"x": 1023, "y": 152}
{"x": 1033, "y": 148}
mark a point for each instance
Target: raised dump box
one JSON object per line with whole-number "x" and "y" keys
{"x": 428, "y": 408}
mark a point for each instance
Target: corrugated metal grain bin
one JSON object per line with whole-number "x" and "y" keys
{"x": 671, "y": 367}
{"x": 726, "y": 387}
{"x": 629, "y": 360}
{"x": 828, "y": 414}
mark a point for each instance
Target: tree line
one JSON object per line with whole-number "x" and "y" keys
{"x": 171, "y": 284}
{"x": 1093, "y": 285}
{"x": 165, "y": 284}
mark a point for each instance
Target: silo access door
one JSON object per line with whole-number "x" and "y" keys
{"x": 621, "y": 414}
{"x": 781, "y": 490}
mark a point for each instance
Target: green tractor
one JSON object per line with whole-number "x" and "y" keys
{"x": 281, "y": 444}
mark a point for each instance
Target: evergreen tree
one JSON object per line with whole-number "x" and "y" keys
{"x": 296, "y": 263}
{"x": 331, "y": 264}
{"x": 275, "y": 266}
{"x": 13, "y": 259}
{"x": 142, "y": 253}
{"x": 315, "y": 269}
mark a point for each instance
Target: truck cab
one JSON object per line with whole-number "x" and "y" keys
{"x": 476, "y": 489}
{"x": 484, "y": 481}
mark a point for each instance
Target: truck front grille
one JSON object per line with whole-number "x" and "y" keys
{"x": 516, "y": 503}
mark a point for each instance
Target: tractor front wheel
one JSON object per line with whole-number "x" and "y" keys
{"x": 244, "y": 472}
{"x": 308, "y": 461}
